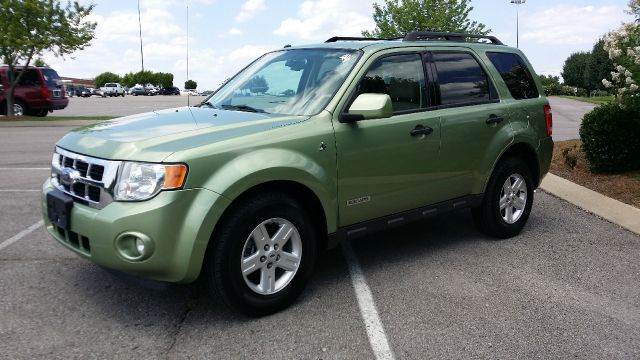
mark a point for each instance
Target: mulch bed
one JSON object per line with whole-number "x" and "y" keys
{"x": 569, "y": 162}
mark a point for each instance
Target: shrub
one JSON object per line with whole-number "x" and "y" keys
{"x": 610, "y": 137}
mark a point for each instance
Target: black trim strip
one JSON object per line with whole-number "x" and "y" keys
{"x": 386, "y": 222}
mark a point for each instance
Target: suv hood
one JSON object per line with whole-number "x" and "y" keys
{"x": 156, "y": 135}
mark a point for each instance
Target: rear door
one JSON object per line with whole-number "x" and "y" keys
{"x": 475, "y": 124}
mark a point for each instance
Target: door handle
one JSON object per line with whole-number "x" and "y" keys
{"x": 421, "y": 130}
{"x": 494, "y": 119}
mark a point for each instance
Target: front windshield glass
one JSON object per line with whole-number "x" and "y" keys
{"x": 290, "y": 82}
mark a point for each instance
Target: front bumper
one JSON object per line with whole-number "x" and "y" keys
{"x": 180, "y": 224}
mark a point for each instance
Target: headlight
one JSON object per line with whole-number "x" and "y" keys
{"x": 142, "y": 181}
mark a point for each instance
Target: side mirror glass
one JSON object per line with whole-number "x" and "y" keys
{"x": 369, "y": 106}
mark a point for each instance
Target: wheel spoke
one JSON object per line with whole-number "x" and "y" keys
{"x": 503, "y": 202}
{"x": 251, "y": 264}
{"x": 506, "y": 187}
{"x": 260, "y": 235}
{"x": 288, "y": 261}
{"x": 268, "y": 279}
{"x": 517, "y": 184}
{"x": 282, "y": 235}
{"x": 509, "y": 213}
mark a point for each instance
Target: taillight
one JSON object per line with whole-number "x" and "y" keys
{"x": 548, "y": 119}
{"x": 44, "y": 92}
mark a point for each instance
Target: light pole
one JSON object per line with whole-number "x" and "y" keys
{"x": 187, "y": 39}
{"x": 140, "y": 32}
{"x": 518, "y": 3}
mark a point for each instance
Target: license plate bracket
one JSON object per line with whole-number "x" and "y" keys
{"x": 59, "y": 207}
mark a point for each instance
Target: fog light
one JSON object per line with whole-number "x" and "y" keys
{"x": 140, "y": 246}
{"x": 134, "y": 246}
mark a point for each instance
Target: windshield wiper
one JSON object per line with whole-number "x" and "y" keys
{"x": 207, "y": 104}
{"x": 246, "y": 108}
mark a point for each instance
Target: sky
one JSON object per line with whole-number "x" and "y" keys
{"x": 225, "y": 35}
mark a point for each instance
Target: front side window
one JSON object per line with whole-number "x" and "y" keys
{"x": 289, "y": 82}
{"x": 399, "y": 76}
{"x": 515, "y": 74}
{"x": 462, "y": 79}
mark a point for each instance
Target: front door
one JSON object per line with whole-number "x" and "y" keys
{"x": 382, "y": 167}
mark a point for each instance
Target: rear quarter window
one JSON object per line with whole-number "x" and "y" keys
{"x": 515, "y": 74}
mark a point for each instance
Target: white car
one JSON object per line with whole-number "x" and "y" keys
{"x": 112, "y": 89}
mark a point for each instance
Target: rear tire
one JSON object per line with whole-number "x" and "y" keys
{"x": 275, "y": 271}
{"x": 507, "y": 201}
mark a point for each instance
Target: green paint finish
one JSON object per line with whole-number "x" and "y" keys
{"x": 358, "y": 170}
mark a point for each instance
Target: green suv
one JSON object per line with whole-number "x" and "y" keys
{"x": 303, "y": 148}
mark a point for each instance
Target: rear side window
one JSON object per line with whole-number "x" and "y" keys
{"x": 399, "y": 76}
{"x": 462, "y": 79}
{"x": 515, "y": 74}
{"x": 30, "y": 78}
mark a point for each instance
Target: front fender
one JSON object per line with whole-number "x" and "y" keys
{"x": 272, "y": 164}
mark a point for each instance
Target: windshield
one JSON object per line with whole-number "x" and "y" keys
{"x": 290, "y": 82}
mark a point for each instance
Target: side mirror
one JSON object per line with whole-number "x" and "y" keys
{"x": 368, "y": 106}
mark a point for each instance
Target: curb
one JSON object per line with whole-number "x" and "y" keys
{"x": 605, "y": 207}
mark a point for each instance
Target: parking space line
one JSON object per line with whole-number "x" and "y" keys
{"x": 21, "y": 234}
{"x": 375, "y": 330}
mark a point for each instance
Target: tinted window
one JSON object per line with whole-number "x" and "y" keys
{"x": 51, "y": 77}
{"x": 30, "y": 78}
{"x": 515, "y": 74}
{"x": 399, "y": 76}
{"x": 461, "y": 78}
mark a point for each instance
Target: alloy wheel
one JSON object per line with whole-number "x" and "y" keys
{"x": 513, "y": 198}
{"x": 18, "y": 110}
{"x": 271, "y": 256}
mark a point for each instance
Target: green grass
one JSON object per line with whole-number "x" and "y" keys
{"x": 598, "y": 100}
{"x": 57, "y": 118}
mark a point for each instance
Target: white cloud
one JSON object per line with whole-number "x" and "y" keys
{"x": 318, "y": 20}
{"x": 570, "y": 24}
{"x": 249, "y": 9}
{"x": 235, "y": 31}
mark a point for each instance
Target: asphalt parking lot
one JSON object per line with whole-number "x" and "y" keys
{"x": 568, "y": 286}
{"x": 567, "y": 113}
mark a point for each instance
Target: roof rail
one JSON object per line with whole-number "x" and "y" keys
{"x": 460, "y": 37}
{"x": 350, "y": 38}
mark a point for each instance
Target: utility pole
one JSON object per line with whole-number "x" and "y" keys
{"x": 518, "y": 3}
{"x": 187, "y": 39}
{"x": 140, "y": 32}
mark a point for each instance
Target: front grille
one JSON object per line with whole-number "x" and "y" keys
{"x": 87, "y": 179}
{"x": 77, "y": 241}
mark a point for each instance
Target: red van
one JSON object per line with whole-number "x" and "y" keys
{"x": 38, "y": 93}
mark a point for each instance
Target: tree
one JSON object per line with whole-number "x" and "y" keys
{"x": 107, "y": 77}
{"x": 551, "y": 84}
{"x": 574, "y": 69}
{"x": 397, "y": 17}
{"x": 599, "y": 67}
{"x": 31, "y": 27}
{"x": 634, "y": 9}
{"x": 190, "y": 85}
{"x": 39, "y": 62}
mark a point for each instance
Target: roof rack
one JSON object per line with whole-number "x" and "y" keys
{"x": 422, "y": 36}
{"x": 460, "y": 37}
{"x": 350, "y": 38}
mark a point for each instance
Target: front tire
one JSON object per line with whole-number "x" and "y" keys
{"x": 507, "y": 201}
{"x": 262, "y": 255}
